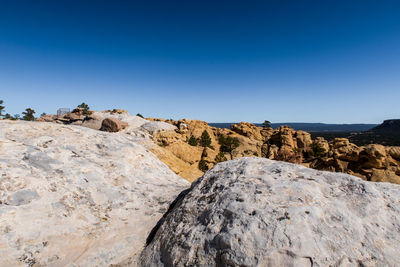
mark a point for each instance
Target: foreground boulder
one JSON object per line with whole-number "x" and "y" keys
{"x": 73, "y": 196}
{"x": 258, "y": 212}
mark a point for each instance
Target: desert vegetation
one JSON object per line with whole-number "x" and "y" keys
{"x": 228, "y": 144}
{"x": 85, "y": 108}
{"x": 205, "y": 139}
{"x": 220, "y": 157}
{"x": 203, "y": 165}
{"x": 28, "y": 114}
{"x": 193, "y": 141}
{"x": 1, "y": 108}
{"x": 266, "y": 124}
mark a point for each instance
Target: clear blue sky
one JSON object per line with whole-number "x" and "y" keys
{"x": 218, "y": 61}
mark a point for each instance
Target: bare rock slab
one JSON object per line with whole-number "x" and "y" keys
{"x": 73, "y": 196}
{"x": 258, "y": 212}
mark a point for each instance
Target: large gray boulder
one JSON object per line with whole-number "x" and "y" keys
{"x": 258, "y": 212}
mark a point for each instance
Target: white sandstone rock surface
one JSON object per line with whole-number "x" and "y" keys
{"x": 155, "y": 126}
{"x": 258, "y": 212}
{"x": 73, "y": 196}
{"x": 133, "y": 121}
{"x": 137, "y": 126}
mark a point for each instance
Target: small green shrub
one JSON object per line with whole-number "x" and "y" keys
{"x": 266, "y": 124}
{"x": 228, "y": 144}
{"x": 139, "y": 115}
{"x": 193, "y": 141}
{"x": 220, "y": 157}
{"x": 316, "y": 149}
{"x": 85, "y": 108}
{"x": 162, "y": 144}
{"x": 203, "y": 165}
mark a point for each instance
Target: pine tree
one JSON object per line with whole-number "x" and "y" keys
{"x": 205, "y": 139}
{"x": 1, "y": 108}
{"x": 228, "y": 144}
{"x": 28, "y": 114}
{"x": 316, "y": 149}
{"x": 193, "y": 141}
{"x": 266, "y": 124}
{"x": 85, "y": 108}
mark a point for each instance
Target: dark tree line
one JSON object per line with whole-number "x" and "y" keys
{"x": 27, "y": 114}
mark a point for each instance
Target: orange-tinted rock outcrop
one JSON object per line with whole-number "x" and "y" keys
{"x": 372, "y": 162}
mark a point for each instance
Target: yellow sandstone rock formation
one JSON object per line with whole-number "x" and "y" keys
{"x": 372, "y": 162}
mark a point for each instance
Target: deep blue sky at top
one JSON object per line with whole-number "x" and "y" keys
{"x": 219, "y": 61}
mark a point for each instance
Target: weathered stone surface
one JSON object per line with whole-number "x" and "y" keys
{"x": 155, "y": 126}
{"x": 340, "y": 142}
{"x": 373, "y": 156}
{"x": 47, "y": 118}
{"x": 258, "y": 212}
{"x": 117, "y": 111}
{"x": 303, "y": 140}
{"x": 267, "y": 132}
{"x": 186, "y": 152}
{"x": 323, "y": 143}
{"x": 93, "y": 122}
{"x": 248, "y": 130}
{"x": 394, "y": 152}
{"x": 182, "y": 168}
{"x": 344, "y": 150}
{"x": 112, "y": 125}
{"x": 379, "y": 175}
{"x": 73, "y": 196}
{"x": 74, "y": 116}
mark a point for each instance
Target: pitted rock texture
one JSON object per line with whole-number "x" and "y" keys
{"x": 258, "y": 212}
{"x": 73, "y": 196}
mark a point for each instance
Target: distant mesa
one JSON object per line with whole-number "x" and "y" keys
{"x": 388, "y": 126}
{"x": 387, "y": 133}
